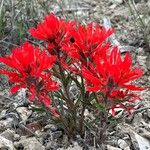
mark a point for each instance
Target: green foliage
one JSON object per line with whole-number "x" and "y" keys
{"x": 2, "y": 24}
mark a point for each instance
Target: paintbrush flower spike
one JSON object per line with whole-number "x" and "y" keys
{"x": 27, "y": 69}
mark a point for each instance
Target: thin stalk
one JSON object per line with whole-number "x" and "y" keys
{"x": 1, "y": 6}
{"x": 69, "y": 101}
{"x": 12, "y": 14}
{"x": 84, "y": 98}
{"x": 81, "y": 122}
{"x": 61, "y": 119}
{"x": 132, "y": 13}
{"x": 103, "y": 123}
{"x": 143, "y": 28}
{"x": 142, "y": 23}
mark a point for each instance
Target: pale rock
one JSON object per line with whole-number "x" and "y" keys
{"x": 113, "y": 6}
{"x": 20, "y": 98}
{"x": 122, "y": 144}
{"x": 117, "y": 1}
{"x": 139, "y": 142}
{"x": 51, "y": 145}
{"x": 127, "y": 148}
{"x": 52, "y": 127}
{"x": 109, "y": 147}
{"x": 16, "y": 137}
{"x": 141, "y": 59}
{"x": 137, "y": 119}
{"x": 6, "y": 144}
{"x": 74, "y": 147}
{"x": 24, "y": 113}
{"x": 143, "y": 8}
{"x": 3, "y": 113}
{"x": 30, "y": 144}
{"x": 145, "y": 133}
{"x": 8, "y": 134}
{"x": 5, "y": 124}
{"x": 56, "y": 135}
{"x": 148, "y": 110}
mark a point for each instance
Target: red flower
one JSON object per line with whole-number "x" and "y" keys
{"x": 112, "y": 75}
{"x": 129, "y": 108}
{"x": 41, "y": 95}
{"x": 53, "y": 30}
{"x": 28, "y": 70}
{"x": 122, "y": 99}
{"x": 111, "y": 72}
{"x": 122, "y": 96}
{"x": 86, "y": 40}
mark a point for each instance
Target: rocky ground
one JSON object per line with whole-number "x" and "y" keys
{"x": 21, "y": 128}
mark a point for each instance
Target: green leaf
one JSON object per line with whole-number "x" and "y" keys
{"x": 100, "y": 106}
{"x": 39, "y": 109}
{"x": 2, "y": 24}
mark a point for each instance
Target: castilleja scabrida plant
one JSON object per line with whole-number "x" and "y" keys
{"x": 74, "y": 55}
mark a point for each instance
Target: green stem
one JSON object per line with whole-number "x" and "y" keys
{"x": 85, "y": 98}
{"x": 69, "y": 102}
{"x": 81, "y": 122}
{"x": 104, "y": 120}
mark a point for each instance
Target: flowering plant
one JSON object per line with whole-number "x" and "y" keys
{"x": 74, "y": 57}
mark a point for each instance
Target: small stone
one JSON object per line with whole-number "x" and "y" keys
{"x": 141, "y": 59}
{"x": 51, "y": 145}
{"x": 148, "y": 113}
{"x": 8, "y": 134}
{"x": 6, "y": 144}
{"x": 137, "y": 119}
{"x": 122, "y": 144}
{"x": 5, "y": 124}
{"x": 52, "y": 127}
{"x": 30, "y": 144}
{"x": 113, "y": 6}
{"x": 24, "y": 113}
{"x": 57, "y": 134}
{"x": 109, "y": 147}
{"x": 117, "y": 1}
{"x": 127, "y": 148}
{"x": 3, "y": 113}
{"x": 38, "y": 133}
{"x": 143, "y": 8}
{"x": 18, "y": 146}
{"x": 138, "y": 141}
{"x": 16, "y": 137}
{"x": 74, "y": 147}
{"x": 65, "y": 139}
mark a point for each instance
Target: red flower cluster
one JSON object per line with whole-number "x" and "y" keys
{"x": 86, "y": 40}
{"x": 112, "y": 72}
{"x": 28, "y": 65}
{"x": 54, "y": 31}
{"x": 78, "y": 48}
{"x": 113, "y": 75}
{"x": 72, "y": 39}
